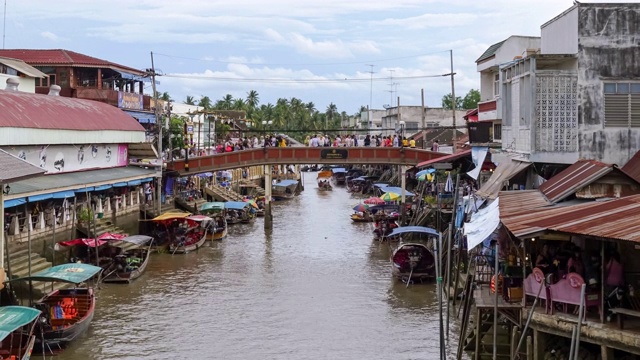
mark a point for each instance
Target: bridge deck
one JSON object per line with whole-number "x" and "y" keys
{"x": 304, "y": 155}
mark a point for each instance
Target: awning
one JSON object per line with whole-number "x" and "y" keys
{"x": 130, "y": 76}
{"x": 22, "y": 67}
{"x": 102, "y": 187}
{"x": 63, "y": 194}
{"x": 14, "y": 202}
{"x": 146, "y": 180}
{"x": 134, "y": 182}
{"x": 120, "y": 184}
{"x": 504, "y": 172}
{"x": 142, "y": 117}
{"x": 40, "y": 197}
{"x": 83, "y": 190}
{"x": 446, "y": 158}
{"x": 482, "y": 224}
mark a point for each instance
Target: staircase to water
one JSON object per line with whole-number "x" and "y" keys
{"x": 220, "y": 193}
{"x": 19, "y": 267}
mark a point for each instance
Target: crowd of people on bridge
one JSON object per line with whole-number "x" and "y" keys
{"x": 368, "y": 141}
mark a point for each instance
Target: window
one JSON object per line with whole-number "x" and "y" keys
{"x": 497, "y": 132}
{"x": 42, "y": 82}
{"x": 621, "y": 104}
{"x": 496, "y": 84}
{"x": 52, "y": 79}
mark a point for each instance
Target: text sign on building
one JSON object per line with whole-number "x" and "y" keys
{"x": 338, "y": 154}
{"x": 130, "y": 101}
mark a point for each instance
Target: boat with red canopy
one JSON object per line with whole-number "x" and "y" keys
{"x": 414, "y": 261}
{"x": 185, "y": 232}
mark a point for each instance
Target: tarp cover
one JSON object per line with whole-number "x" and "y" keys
{"x": 482, "y": 224}
{"x": 13, "y": 318}
{"x": 236, "y": 205}
{"x": 212, "y": 206}
{"x": 70, "y": 273}
{"x": 171, "y": 215}
{"x": 396, "y": 190}
{"x": 85, "y": 242}
{"x": 339, "y": 170}
{"x": 137, "y": 239}
{"x": 287, "y": 183}
{"x": 414, "y": 229}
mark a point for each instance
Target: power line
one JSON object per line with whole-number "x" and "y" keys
{"x": 300, "y": 64}
{"x": 293, "y": 80}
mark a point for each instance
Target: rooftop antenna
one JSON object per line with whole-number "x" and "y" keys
{"x": 4, "y": 23}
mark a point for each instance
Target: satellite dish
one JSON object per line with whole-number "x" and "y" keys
{"x": 386, "y": 106}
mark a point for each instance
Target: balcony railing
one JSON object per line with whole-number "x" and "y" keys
{"x": 119, "y": 99}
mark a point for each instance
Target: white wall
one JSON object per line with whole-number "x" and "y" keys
{"x": 27, "y": 84}
{"x": 560, "y": 35}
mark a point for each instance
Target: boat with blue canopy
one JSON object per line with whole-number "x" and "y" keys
{"x": 66, "y": 313}
{"x": 17, "y": 325}
{"x": 239, "y": 211}
{"x": 339, "y": 175}
{"x": 284, "y": 189}
{"x": 414, "y": 261}
{"x": 216, "y": 210}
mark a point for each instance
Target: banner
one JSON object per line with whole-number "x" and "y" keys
{"x": 478, "y": 154}
{"x": 69, "y": 158}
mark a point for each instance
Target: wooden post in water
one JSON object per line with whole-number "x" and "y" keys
{"x": 496, "y": 284}
{"x": 53, "y": 239}
{"x": 403, "y": 184}
{"x": 268, "y": 217}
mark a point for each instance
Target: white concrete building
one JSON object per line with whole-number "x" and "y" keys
{"x": 412, "y": 117}
{"x": 21, "y": 71}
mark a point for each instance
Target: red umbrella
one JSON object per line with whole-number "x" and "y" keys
{"x": 374, "y": 201}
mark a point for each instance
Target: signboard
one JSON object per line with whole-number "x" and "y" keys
{"x": 130, "y": 101}
{"x": 68, "y": 158}
{"x": 442, "y": 166}
{"x": 338, "y": 154}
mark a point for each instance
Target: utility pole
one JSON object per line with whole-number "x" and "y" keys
{"x": 156, "y": 113}
{"x": 4, "y": 23}
{"x": 370, "y": 98}
{"x": 453, "y": 104}
{"x": 168, "y": 125}
{"x": 424, "y": 140}
{"x": 391, "y": 86}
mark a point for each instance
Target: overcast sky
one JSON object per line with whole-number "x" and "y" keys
{"x": 319, "y": 51}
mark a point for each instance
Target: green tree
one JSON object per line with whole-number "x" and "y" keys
{"x": 165, "y": 96}
{"x": 471, "y": 100}
{"x": 205, "y": 102}
{"x": 190, "y": 100}
{"x": 176, "y": 130}
{"x": 253, "y": 99}
{"x": 446, "y": 102}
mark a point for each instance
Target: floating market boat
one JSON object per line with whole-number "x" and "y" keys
{"x": 17, "y": 325}
{"x": 324, "y": 180}
{"x": 239, "y": 212}
{"x": 190, "y": 234}
{"x": 414, "y": 261}
{"x": 132, "y": 261}
{"x": 339, "y": 175}
{"x": 284, "y": 190}
{"x": 216, "y": 211}
{"x": 67, "y": 313}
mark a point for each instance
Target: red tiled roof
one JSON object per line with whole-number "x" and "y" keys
{"x": 471, "y": 115}
{"x": 576, "y": 176}
{"x": 26, "y": 110}
{"x": 58, "y": 57}
{"x": 446, "y": 158}
{"x": 613, "y": 219}
{"x": 632, "y": 167}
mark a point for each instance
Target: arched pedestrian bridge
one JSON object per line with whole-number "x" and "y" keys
{"x": 304, "y": 155}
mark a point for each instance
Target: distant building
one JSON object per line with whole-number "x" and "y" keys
{"x": 24, "y": 73}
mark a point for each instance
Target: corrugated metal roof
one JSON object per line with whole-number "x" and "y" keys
{"x": 13, "y": 169}
{"x": 25, "y": 110}
{"x": 573, "y": 178}
{"x": 504, "y": 172}
{"x": 56, "y": 57}
{"x": 490, "y": 51}
{"x": 77, "y": 180}
{"x": 22, "y": 67}
{"x": 613, "y": 219}
{"x": 446, "y": 158}
{"x": 632, "y": 167}
{"x": 521, "y": 201}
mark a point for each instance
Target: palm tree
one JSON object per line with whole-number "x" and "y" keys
{"x": 311, "y": 107}
{"x": 205, "y": 102}
{"x": 165, "y": 96}
{"x": 253, "y": 99}
{"x": 332, "y": 110}
{"x": 190, "y": 100}
{"x": 239, "y": 104}
{"x": 227, "y": 102}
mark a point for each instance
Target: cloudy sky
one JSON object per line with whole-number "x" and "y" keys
{"x": 316, "y": 50}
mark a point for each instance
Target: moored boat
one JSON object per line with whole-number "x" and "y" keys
{"x": 67, "y": 313}
{"x": 414, "y": 261}
{"x": 239, "y": 212}
{"x": 324, "y": 181}
{"x": 17, "y": 325}
{"x": 216, "y": 210}
{"x": 191, "y": 234}
{"x": 131, "y": 263}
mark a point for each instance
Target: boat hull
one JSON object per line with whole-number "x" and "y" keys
{"x": 57, "y": 337}
{"x": 218, "y": 235}
{"x": 188, "y": 248}
{"x": 127, "y": 277}
{"x": 413, "y": 262}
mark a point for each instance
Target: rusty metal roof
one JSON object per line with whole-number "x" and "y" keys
{"x": 504, "y": 172}
{"x": 613, "y": 219}
{"x": 26, "y": 110}
{"x": 13, "y": 168}
{"x": 446, "y": 158}
{"x": 575, "y": 177}
{"x": 521, "y": 201}
{"x": 62, "y": 57}
{"x": 632, "y": 167}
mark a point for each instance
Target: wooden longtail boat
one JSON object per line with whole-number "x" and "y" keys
{"x": 67, "y": 313}
{"x": 191, "y": 235}
{"x": 16, "y": 331}
{"x": 216, "y": 211}
{"x": 324, "y": 180}
{"x": 284, "y": 190}
{"x": 133, "y": 260}
{"x": 414, "y": 261}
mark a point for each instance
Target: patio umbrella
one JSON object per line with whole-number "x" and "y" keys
{"x": 389, "y": 196}
{"x": 374, "y": 201}
{"x": 424, "y": 172}
{"x": 252, "y": 202}
{"x": 361, "y": 208}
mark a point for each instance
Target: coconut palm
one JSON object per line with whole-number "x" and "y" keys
{"x": 239, "y": 104}
{"x": 253, "y": 99}
{"x": 205, "y": 102}
{"x": 190, "y": 100}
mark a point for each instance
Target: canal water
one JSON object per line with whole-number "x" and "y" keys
{"x": 318, "y": 287}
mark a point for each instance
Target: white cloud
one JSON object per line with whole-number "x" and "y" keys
{"x": 49, "y": 35}
{"x": 430, "y": 20}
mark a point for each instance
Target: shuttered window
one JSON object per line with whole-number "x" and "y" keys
{"x": 621, "y": 104}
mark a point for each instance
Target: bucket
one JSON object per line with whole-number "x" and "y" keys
{"x": 100, "y": 215}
